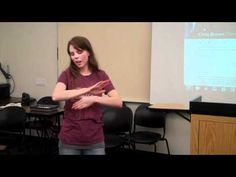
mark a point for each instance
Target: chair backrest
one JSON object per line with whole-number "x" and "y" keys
{"x": 12, "y": 119}
{"x": 117, "y": 120}
{"x": 149, "y": 118}
{"x": 47, "y": 100}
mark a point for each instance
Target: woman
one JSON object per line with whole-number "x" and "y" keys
{"x": 82, "y": 86}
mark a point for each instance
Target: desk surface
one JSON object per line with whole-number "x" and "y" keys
{"x": 59, "y": 111}
{"x": 5, "y": 101}
{"x": 170, "y": 106}
{"x": 10, "y": 100}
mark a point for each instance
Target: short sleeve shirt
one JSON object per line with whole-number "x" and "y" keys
{"x": 85, "y": 126}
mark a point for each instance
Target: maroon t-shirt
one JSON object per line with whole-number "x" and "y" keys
{"x": 85, "y": 126}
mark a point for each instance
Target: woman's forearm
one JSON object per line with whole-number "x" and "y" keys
{"x": 109, "y": 101}
{"x": 61, "y": 94}
{"x": 69, "y": 94}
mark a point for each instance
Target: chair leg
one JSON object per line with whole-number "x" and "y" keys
{"x": 38, "y": 133}
{"x": 133, "y": 146}
{"x": 155, "y": 147}
{"x": 30, "y": 131}
{"x": 128, "y": 145}
{"x": 167, "y": 145}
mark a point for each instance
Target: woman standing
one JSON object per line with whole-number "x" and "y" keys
{"x": 82, "y": 86}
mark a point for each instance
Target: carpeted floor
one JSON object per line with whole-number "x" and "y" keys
{"x": 37, "y": 146}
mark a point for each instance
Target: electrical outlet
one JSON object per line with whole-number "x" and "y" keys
{"x": 41, "y": 82}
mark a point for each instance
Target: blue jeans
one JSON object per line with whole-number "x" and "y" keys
{"x": 70, "y": 151}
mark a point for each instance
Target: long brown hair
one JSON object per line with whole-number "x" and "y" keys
{"x": 80, "y": 42}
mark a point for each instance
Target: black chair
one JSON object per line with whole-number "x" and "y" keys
{"x": 117, "y": 126}
{"x": 12, "y": 128}
{"x": 148, "y": 118}
{"x": 48, "y": 128}
{"x": 47, "y": 100}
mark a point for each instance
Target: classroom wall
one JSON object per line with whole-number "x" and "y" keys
{"x": 30, "y": 49}
{"x": 123, "y": 50}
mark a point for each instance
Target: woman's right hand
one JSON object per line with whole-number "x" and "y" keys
{"x": 98, "y": 88}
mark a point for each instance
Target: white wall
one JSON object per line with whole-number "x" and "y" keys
{"x": 30, "y": 50}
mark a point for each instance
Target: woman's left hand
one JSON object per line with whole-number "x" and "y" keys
{"x": 84, "y": 102}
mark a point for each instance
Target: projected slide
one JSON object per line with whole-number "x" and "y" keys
{"x": 210, "y": 56}
{"x": 193, "y": 59}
